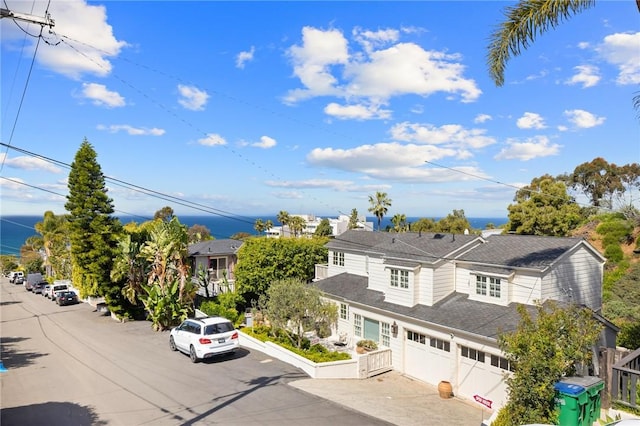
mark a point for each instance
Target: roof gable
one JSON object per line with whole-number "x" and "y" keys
{"x": 523, "y": 251}
{"x": 425, "y": 247}
{"x": 214, "y": 247}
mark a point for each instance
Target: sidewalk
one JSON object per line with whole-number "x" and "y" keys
{"x": 397, "y": 399}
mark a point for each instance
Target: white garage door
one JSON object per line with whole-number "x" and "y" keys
{"x": 427, "y": 359}
{"x": 478, "y": 377}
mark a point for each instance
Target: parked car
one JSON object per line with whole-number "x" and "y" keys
{"x": 13, "y": 276}
{"x": 55, "y": 289}
{"x": 66, "y": 298}
{"x": 204, "y": 337}
{"x": 38, "y": 288}
{"x": 19, "y": 280}
{"x": 46, "y": 289}
{"x": 32, "y": 279}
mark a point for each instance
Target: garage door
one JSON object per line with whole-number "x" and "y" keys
{"x": 427, "y": 359}
{"x": 478, "y": 377}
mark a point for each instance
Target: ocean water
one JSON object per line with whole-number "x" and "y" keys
{"x": 14, "y": 230}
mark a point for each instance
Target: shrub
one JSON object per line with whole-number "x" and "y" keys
{"x": 367, "y": 344}
{"x": 613, "y": 253}
{"x": 316, "y": 353}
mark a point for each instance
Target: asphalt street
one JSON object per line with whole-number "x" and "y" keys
{"x": 71, "y": 365}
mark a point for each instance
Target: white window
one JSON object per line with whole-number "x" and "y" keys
{"x": 344, "y": 311}
{"x": 443, "y": 345}
{"x": 473, "y": 354}
{"x": 492, "y": 284}
{"x": 416, "y": 337}
{"x": 500, "y": 362}
{"x": 385, "y": 333}
{"x": 399, "y": 278}
{"x": 338, "y": 258}
{"x": 357, "y": 325}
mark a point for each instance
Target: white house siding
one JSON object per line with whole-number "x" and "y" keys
{"x": 577, "y": 279}
{"x": 443, "y": 282}
{"x": 463, "y": 279}
{"x": 526, "y": 288}
{"x": 353, "y": 264}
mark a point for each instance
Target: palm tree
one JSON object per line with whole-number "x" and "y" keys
{"x": 297, "y": 224}
{"x": 399, "y": 222}
{"x": 284, "y": 219}
{"x": 523, "y": 23}
{"x": 379, "y": 205}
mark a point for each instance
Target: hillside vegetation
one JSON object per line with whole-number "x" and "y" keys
{"x": 618, "y": 240}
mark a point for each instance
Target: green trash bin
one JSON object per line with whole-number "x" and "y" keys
{"x": 578, "y": 399}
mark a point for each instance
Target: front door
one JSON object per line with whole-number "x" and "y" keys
{"x": 371, "y": 329}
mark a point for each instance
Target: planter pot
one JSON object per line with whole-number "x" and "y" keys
{"x": 445, "y": 390}
{"x": 360, "y": 350}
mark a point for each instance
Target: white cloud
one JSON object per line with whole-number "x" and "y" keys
{"x": 481, "y": 118}
{"x": 243, "y": 57}
{"x": 312, "y": 61}
{"x": 265, "y": 142}
{"x": 531, "y": 120}
{"x": 583, "y": 119}
{"x": 373, "y": 39}
{"x": 101, "y": 96}
{"x": 288, "y": 195}
{"x": 535, "y": 147}
{"x": 30, "y": 163}
{"x": 336, "y": 185}
{"x": 587, "y": 75}
{"x": 358, "y": 112}
{"x": 449, "y": 135}
{"x": 623, "y": 51}
{"x": 134, "y": 131}
{"x": 339, "y": 185}
{"x": 391, "y": 162}
{"x": 212, "y": 139}
{"x": 79, "y": 21}
{"x": 192, "y": 98}
{"x": 325, "y": 68}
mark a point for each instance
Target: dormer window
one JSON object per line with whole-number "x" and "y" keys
{"x": 488, "y": 286}
{"x": 338, "y": 258}
{"x": 399, "y": 278}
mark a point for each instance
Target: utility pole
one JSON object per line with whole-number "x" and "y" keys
{"x": 46, "y": 21}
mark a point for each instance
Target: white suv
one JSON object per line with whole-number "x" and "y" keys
{"x": 204, "y": 337}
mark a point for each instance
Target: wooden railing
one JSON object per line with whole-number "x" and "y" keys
{"x": 625, "y": 380}
{"x": 377, "y": 362}
{"x": 322, "y": 272}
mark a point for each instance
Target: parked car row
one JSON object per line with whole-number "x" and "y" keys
{"x": 58, "y": 292}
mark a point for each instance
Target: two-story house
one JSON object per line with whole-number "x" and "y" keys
{"x": 439, "y": 301}
{"x": 218, "y": 258}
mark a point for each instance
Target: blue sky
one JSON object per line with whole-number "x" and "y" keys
{"x": 310, "y": 107}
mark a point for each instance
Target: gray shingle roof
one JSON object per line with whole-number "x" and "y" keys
{"x": 455, "y": 312}
{"x": 424, "y": 247}
{"x": 521, "y": 251}
{"x": 215, "y": 247}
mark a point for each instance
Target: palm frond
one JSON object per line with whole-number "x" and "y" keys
{"x": 524, "y": 22}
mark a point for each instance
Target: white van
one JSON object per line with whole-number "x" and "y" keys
{"x": 13, "y": 276}
{"x": 57, "y": 287}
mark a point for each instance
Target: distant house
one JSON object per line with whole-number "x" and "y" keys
{"x": 219, "y": 259}
{"x": 439, "y": 301}
{"x": 338, "y": 226}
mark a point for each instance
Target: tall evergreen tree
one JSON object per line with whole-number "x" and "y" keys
{"x": 93, "y": 231}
